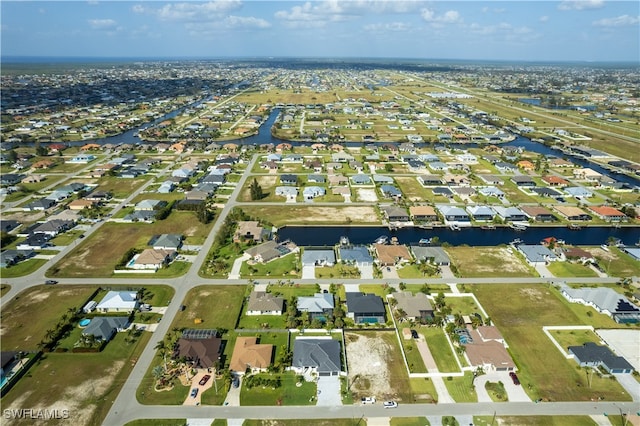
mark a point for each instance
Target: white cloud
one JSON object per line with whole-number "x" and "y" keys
{"x": 449, "y": 17}
{"x": 392, "y": 26}
{"x": 235, "y": 23}
{"x": 246, "y": 22}
{"x": 544, "y": 18}
{"x": 505, "y": 32}
{"x": 103, "y": 24}
{"x": 619, "y": 21}
{"x": 191, "y": 12}
{"x": 580, "y": 4}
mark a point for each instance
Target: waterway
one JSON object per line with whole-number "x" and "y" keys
{"x": 474, "y": 236}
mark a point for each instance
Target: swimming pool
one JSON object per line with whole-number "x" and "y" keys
{"x": 84, "y": 322}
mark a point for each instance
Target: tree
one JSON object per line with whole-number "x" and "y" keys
{"x": 256, "y": 190}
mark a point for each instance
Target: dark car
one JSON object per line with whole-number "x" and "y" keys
{"x": 204, "y": 380}
{"x": 414, "y": 334}
{"x": 51, "y": 282}
{"x": 514, "y": 378}
{"x": 183, "y": 307}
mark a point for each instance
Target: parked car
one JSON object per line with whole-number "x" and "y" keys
{"x": 51, "y": 282}
{"x": 390, "y": 404}
{"x": 514, "y": 378}
{"x": 368, "y": 400}
{"x": 414, "y": 334}
{"x": 236, "y": 382}
{"x": 194, "y": 392}
{"x": 204, "y": 380}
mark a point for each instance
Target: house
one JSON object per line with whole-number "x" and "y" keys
{"x": 201, "y": 347}
{"x": 486, "y": 352}
{"x": 152, "y": 259}
{"x": 609, "y": 214}
{"x": 166, "y": 241}
{"x": 481, "y": 213}
{"x": 382, "y": 179}
{"x": 453, "y": 214}
{"x": 361, "y": 179}
{"x": 81, "y": 204}
{"x": 578, "y": 192}
{"x": 430, "y": 180}
{"x": 166, "y": 187}
{"x": 267, "y": 251}
{"x": 118, "y": 301}
{"x": 315, "y": 178}
{"x": 140, "y": 216}
{"x": 11, "y": 257}
{"x": 572, "y": 213}
{"x": 587, "y": 174}
{"x": 249, "y": 230}
{"x": 553, "y": 180}
{"x": 506, "y": 167}
{"x": 523, "y": 181}
{"x": 390, "y": 191}
{"x": 365, "y": 308}
{"x": 338, "y": 180}
{"x": 53, "y": 227}
{"x": 7, "y": 179}
{"x": 416, "y": 307}
{"x": 288, "y": 179}
{"x": 311, "y": 192}
{"x": 82, "y": 158}
{"x": 358, "y": 255}
{"x": 491, "y": 191}
{"x": 319, "y": 306}
{"x": 395, "y": 214}
{"x": 537, "y": 254}
{"x": 538, "y": 213}
{"x": 513, "y": 214}
{"x": 491, "y": 180}
{"x": 451, "y": 179}
{"x": 35, "y": 242}
{"x": 581, "y": 255}
{"x": 431, "y": 254}
{"x": 604, "y": 300}
{"x": 150, "y": 205}
{"x": 392, "y": 254}
{"x": 546, "y": 192}
{"x": 591, "y": 354}
{"x": 104, "y": 328}
{"x": 289, "y": 192}
{"x": 262, "y": 303}
{"x": 313, "y": 257}
{"x": 41, "y": 204}
{"x": 321, "y": 355}
{"x": 442, "y": 191}
{"x": 423, "y": 213}
{"x": 249, "y": 355}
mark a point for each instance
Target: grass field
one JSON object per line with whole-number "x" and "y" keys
{"x": 23, "y": 268}
{"x": 462, "y": 305}
{"x": 284, "y": 267}
{"x": 423, "y": 390}
{"x": 84, "y": 383}
{"x": 440, "y": 349}
{"x": 482, "y": 262}
{"x": 217, "y": 306}
{"x": 313, "y": 215}
{"x": 535, "y": 420}
{"x": 411, "y": 352}
{"x": 287, "y": 394}
{"x": 119, "y": 187}
{"x": 566, "y": 269}
{"x": 543, "y": 371}
{"x": 99, "y": 253}
{"x": 460, "y": 388}
{"x": 566, "y": 338}
{"x": 26, "y": 318}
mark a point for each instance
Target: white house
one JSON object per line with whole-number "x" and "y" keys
{"x": 118, "y": 301}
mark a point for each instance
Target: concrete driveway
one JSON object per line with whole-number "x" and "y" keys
{"x": 329, "y": 391}
{"x": 308, "y": 272}
{"x": 515, "y": 392}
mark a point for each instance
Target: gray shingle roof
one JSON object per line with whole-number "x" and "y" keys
{"x": 321, "y": 353}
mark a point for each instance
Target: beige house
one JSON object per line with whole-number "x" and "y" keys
{"x": 251, "y": 355}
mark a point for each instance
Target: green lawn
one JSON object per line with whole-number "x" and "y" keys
{"x": 409, "y": 421}
{"x": 26, "y": 318}
{"x": 119, "y": 187}
{"x": 413, "y": 271}
{"x": 217, "y": 306}
{"x": 285, "y": 267}
{"x": 462, "y": 305}
{"x": 289, "y": 290}
{"x": 84, "y": 383}
{"x": 618, "y": 264}
{"x": 440, "y": 349}
{"x": 460, "y": 388}
{"x": 146, "y": 394}
{"x": 23, "y": 268}
{"x": 496, "y": 391}
{"x": 483, "y": 262}
{"x": 287, "y": 394}
{"x": 566, "y": 338}
{"x": 535, "y": 420}
{"x": 337, "y": 271}
{"x": 414, "y": 359}
{"x": 543, "y": 371}
{"x": 567, "y": 269}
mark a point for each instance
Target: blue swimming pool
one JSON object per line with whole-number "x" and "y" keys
{"x": 84, "y": 322}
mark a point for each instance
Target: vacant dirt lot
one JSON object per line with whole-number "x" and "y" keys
{"x": 487, "y": 262}
{"x": 369, "y": 361}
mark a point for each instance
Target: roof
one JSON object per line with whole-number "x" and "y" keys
{"x": 104, "y": 327}
{"x": 364, "y": 303}
{"x": 311, "y": 257}
{"x": 324, "y": 354}
{"x": 536, "y": 253}
{"x": 119, "y": 300}
{"x": 591, "y": 352}
{"x": 355, "y": 254}
{"x": 391, "y": 253}
{"x": 153, "y": 256}
{"x": 422, "y": 211}
{"x": 603, "y": 297}
{"x": 534, "y": 211}
{"x": 570, "y": 211}
{"x": 438, "y": 254}
{"x": 247, "y": 352}
{"x": 412, "y": 304}
{"x": 264, "y": 302}
{"x": 318, "y": 303}
{"x": 490, "y": 352}
{"x": 166, "y": 240}
{"x": 606, "y": 211}
{"x": 203, "y": 352}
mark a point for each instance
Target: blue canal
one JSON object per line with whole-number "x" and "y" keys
{"x": 474, "y": 236}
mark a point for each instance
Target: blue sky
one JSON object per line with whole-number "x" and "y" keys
{"x": 581, "y": 30}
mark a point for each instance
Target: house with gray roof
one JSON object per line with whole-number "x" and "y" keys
{"x": 537, "y": 254}
{"x": 361, "y": 179}
{"x": 318, "y": 354}
{"x": 263, "y": 303}
{"x": 604, "y": 300}
{"x": 593, "y": 355}
{"x": 150, "y": 205}
{"x": 395, "y": 213}
{"x": 523, "y": 181}
{"x": 53, "y": 227}
{"x": 104, "y": 328}
{"x": 319, "y": 306}
{"x": 578, "y": 192}
{"x": 316, "y": 178}
{"x": 11, "y": 257}
{"x": 382, "y": 179}
{"x": 288, "y": 179}
{"x": 267, "y": 251}
{"x": 390, "y": 191}
{"x": 416, "y": 307}
{"x": 311, "y": 192}
{"x": 118, "y": 301}
{"x": 358, "y": 255}
{"x": 166, "y": 241}
{"x": 430, "y": 180}
{"x": 481, "y": 213}
{"x": 365, "y": 308}
{"x": 314, "y": 257}
{"x": 41, "y": 204}
{"x": 289, "y": 192}
{"x": 431, "y": 254}
{"x": 491, "y": 191}
{"x": 513, "y": 214}
{"x": 453, "y": 214}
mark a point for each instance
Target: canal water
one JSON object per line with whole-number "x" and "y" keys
{"x": 474, "y": 236}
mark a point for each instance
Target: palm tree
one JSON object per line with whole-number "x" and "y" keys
{"x": 161, "y": 347}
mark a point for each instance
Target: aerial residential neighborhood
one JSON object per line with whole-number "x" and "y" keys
{"x": 272, "y": 241}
